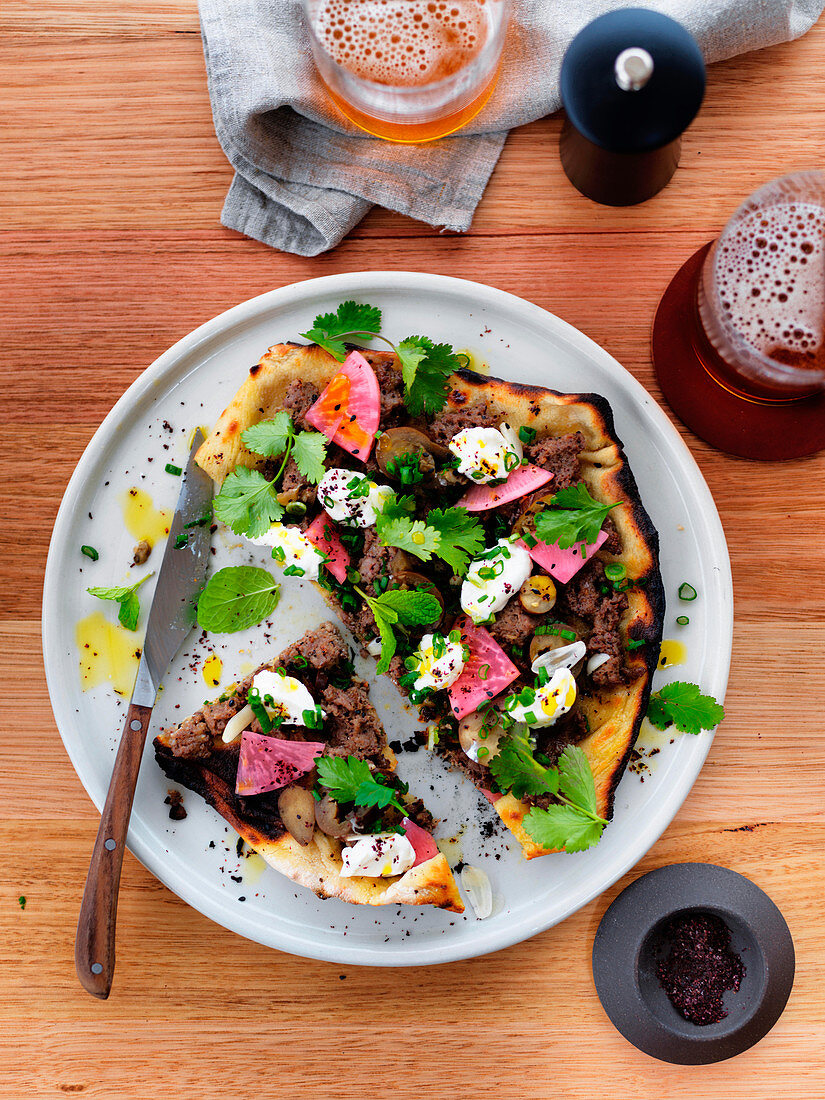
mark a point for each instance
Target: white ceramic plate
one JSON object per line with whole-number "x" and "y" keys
{"x": 189, "y": 385}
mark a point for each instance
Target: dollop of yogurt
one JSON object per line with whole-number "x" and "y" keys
{"x": 487, "y": 454}
{"x": 439, "y": 662}
{"x": 543, "y": 705}
{"x": 351, "y": 498}
{"x": 378, "y": 856}
{"x": 285, "y": 697}
{"x": 492, "y": 580}
{"x": 290, "y": 547}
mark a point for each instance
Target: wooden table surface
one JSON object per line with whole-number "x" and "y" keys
{"x": 112, "y": 184}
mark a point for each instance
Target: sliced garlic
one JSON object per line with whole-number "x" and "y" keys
{"x": 238, "y": 723}
{"x": 374, "y": 647}
{"x": 477, "y": 884}
{"x": 567, "y": 656}
{"x": 596, "y": 661}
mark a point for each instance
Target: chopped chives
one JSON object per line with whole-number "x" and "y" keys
{"x": 90, "y": 552}
{"x": 636, "y": 643}
{"x": 687, "y": 592}
{"x": 527, "y": 435}
{"x": 175, "y": 470}
{"x": 202, "y": 522}
{"x": 682, "y": 620}
{"x": 181, "y": 541}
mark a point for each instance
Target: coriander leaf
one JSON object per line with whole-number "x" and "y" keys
{"x": 126, "y": 595}
{"x": 247, "y": 503}
{"x": 576, "y": 778}
{"x": 395, "y": 507}
{"x": 336, "y": 348}
{"x": 351, "y": 780}
{"x": 462, "y": 536}
{"x": 563, "y": 827}
{"x": 410, "y": 354}
{"x": 427, "y": 393}
{"x": 309, "y": 451}
{"x": 574, "y": 516}
{"x": 411, "y": 607}
{"x": 269, "y": 437}
{"x": 236, "y": 598}
{"x": 350, "y": 319}
{"x": 515, "y": 769}
{"x": 342, "y": 778}
{"x": 414, "y": 536}
{"x": 685, "y": 706}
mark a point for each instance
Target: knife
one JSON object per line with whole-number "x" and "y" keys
{"x": 171, "y": 617}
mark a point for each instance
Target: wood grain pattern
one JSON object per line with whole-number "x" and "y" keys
{"x": 111, "y": 186}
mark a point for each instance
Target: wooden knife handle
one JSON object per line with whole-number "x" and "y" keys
{"x": 94, "y": 951}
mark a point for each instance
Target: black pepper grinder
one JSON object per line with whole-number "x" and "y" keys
{"x": 631, "y": 82}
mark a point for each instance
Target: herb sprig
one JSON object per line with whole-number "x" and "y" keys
{"x": 247, "y": 501}
{"x": 574, "y": 824}
{"x": 399, "y": 608}
{"x": 574, "y": 516}
{"x": 425, "y": 366}
{"x": 452, "y": 534}
{"x": 683, "y": 705}
{"x": 126, "y": 595}
{"x": 351, "y": 780}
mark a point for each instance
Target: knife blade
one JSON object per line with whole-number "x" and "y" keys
{"x": 171, "y": 617}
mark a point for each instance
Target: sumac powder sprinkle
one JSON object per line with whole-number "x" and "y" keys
{"x": 699, "y": 968}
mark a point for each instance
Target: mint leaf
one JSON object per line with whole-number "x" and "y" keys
{"x": 428, "y": 390}
{"x": 126, "y": 596}
{"x": 683, "y": 705}
{"x": 576, "y": 778}
{"x": 269, "y": 437}
{"x": 563, "y": 827}
{"x": 236, "y": 598}
{"x": 516, "y": 769}
{"x": 412, "y": 607}
{"x": 247, "y": 503}
{"x": 574, "y": 516}
{"x": 309, "y": 451}
{"x": 462, "y": 537}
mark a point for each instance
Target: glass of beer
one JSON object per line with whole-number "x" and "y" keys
{"x": 739, "y": 336}
{"x": 408, "y": 70}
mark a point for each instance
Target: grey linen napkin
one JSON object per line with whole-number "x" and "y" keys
{"x": 305, "y": 176}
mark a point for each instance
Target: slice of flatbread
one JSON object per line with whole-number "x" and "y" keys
{"x": 195, "y": 755}
{"x": 614, "y": 714}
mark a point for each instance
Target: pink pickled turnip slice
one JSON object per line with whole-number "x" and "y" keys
{"x": 562, "y": 564}
{"x": 268, "y": 763}
{"x": 355, "y": 388}
{"x": 323, "y": 534}
{"x": 523, "y": 480}
{"x": 330, "y": 408}
{"x": 422, "y": 842}
{"x": 470, "y": 690}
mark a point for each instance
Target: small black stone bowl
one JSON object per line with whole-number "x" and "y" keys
{"x": 632, "y": 939}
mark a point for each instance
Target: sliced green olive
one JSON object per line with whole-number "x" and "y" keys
{"x": 540, "y": 643}
{"x": 477, "y": 739}
{"x": 395, "y": 442}
{"x": 538, "y": 594}
{"x": 327, "y": 819}
{"x": 296, "y": 807}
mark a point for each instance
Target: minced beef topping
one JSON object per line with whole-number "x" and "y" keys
{"x": 298, "y": 399}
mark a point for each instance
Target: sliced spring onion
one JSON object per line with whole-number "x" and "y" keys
{"x": 175, "y": 470}
{"x": 615, "y": 571}
{"x": 181, "y": 541}
{"x": 90, "y": 552}
{"x": 636, "y": 643}
{"x": 687, "y": 592}
{"x": 682, "y": 620}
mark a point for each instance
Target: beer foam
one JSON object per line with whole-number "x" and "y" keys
{"x": 402, "y": 42}
{"x": 770, "y": 281}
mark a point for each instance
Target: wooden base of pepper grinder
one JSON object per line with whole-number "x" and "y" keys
{"x": 616, "y": 179}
